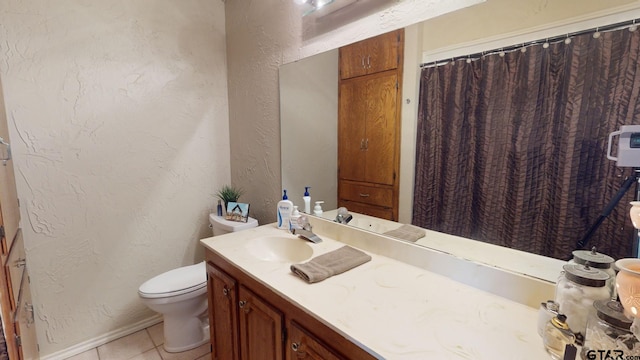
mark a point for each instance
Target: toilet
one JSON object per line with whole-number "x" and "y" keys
{"x": 180, "y": 295}
{"x": 222, "y": 226}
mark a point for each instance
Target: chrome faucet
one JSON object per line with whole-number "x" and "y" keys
{"x": 343, "y": 216}
{"x": 305, "y": 232}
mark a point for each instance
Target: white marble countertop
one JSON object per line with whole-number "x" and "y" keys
{"x": 396, "y": 310}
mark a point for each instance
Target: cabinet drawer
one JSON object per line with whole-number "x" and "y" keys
{"x": 371, "y": 210}
{"x": 14, "y": 267}
{"x": 367, "y": 194}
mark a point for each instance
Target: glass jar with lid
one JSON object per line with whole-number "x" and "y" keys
{"x": 609, "y": 329}
{"x": 577, "y": 288}
{"x": 599, "y": 261}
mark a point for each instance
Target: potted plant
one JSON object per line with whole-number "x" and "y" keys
{"x": 229, "y": 193}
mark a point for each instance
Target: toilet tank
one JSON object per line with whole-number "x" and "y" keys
{"x": 221, "y": 226}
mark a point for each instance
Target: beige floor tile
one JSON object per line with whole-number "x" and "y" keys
{"x": 157, "y": 333}
{"x": 126, "y": 347}
{"x": 185, "y": 355}
{"x": 152, "y": 354}
{"x": 87, "y": 355}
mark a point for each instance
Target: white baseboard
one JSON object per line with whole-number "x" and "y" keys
{"x": 103, "y": 339}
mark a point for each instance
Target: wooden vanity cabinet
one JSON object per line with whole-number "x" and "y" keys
{"x": 223, "y": 318}
{"x": 304, "y": 345}
{"x": 261, "y": 327}
{"x": 369, "y": 128}
{"x": 250, "y": 321}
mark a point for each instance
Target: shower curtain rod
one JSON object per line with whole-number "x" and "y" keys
{"x": 617, "y": 26}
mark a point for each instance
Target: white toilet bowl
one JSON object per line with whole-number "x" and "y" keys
{"x": 180, "y": 295}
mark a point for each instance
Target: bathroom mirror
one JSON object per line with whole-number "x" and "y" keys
{"x": 323, "y": 153}
{"x": 308, "y": 125}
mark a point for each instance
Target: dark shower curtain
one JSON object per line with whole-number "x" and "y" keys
{"x": 511, "y": 149}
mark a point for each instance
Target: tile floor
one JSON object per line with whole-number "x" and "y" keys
{"x": 143, "y": 345}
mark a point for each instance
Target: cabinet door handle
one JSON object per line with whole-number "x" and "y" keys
{"x": 295, "y": 346}
{"x": 20, "y": 263}
{"x": 362, "y": 144}
{"x": 225, "y": 291}
{"x": 366, "y": 144}
{"x": 242, "y": 303}
{"x": 363, "y": 65}
{"x": 364, "y": 195}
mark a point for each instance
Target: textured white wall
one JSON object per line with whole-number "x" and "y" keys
{"x": 118, "y": 115}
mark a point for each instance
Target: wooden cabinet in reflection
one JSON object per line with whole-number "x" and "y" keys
{"x": 370, "y": 56}
{"x": 369, "y": 125}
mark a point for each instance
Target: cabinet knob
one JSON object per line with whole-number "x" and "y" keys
{"x": 225, "y": 291}
{"x": 295, "y": 346}
{"x": 20, "y": 263}
{"x": 244, "y": 306}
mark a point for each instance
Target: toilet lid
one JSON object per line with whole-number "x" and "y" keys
{"x": 175, "y": 282}
{"x": 231, "y": 226}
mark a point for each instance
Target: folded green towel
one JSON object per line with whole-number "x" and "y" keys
{"x": 332, "y": 263}
{"x": 407, "y": 232}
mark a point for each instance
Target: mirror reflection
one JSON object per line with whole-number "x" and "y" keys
{"x": 292, "y": 141}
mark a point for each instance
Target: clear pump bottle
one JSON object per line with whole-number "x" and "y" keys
{"x": 557, "y": 336}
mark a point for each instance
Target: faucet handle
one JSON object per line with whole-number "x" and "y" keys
{"x": 303, "y": 221}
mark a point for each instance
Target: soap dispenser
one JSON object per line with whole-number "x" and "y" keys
{"x": 285, "y": 207}
{"x": 317, "y": 210}
{"x": 295, "y": 216}
{"x": 307, "y": 200}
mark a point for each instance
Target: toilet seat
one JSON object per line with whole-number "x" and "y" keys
{"x": 175, "y": 282}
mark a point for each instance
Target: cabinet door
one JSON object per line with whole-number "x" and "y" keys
{"x": 223, "y": 318}
{"x": 260, "y": 328}
{"x": 381, "y": 125}
{"x": 371, "y": 56}
{"x": 303, "y": 345}
{"x": 353, "y": 60}
{"x": 352, "y": 130}
{"x": 382, "y": 52}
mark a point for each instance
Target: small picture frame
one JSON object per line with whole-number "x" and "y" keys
{"x": 237, "y": 212}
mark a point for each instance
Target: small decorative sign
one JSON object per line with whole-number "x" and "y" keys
{"x": 237, "y": 212}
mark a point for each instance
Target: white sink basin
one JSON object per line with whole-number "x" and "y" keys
{"x": 280, "y": 248}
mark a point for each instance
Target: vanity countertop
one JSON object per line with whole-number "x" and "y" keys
{"x": 396, "y": 310}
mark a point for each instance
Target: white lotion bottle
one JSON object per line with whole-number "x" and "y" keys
{"x": 307, "y": 200}
{"x": 285, "y": 207}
